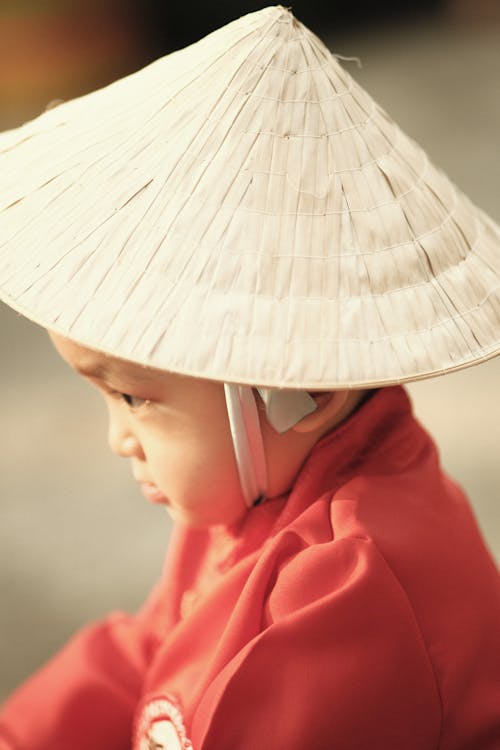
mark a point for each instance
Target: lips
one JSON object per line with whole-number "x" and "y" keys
{"x": 153, "y": 494}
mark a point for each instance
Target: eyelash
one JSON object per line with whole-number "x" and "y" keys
{"x": 131, "y": 401}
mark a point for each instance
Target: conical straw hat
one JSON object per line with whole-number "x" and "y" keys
{"x": 242, "y": 210}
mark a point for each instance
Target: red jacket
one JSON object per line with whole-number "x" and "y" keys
{"x": 360, "y": 612}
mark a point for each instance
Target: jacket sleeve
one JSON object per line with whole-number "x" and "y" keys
{"x": 341, "y": 664}
{"x": 85, "y": 696}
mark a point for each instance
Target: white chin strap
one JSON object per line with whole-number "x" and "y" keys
{"x": 284, "y": 409}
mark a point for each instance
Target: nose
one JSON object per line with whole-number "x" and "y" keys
{"x": 121, "y": 438}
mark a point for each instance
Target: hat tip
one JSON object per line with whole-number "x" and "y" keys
{"x": 283, "y": 11}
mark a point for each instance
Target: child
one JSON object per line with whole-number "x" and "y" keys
{"x": 245, "y": 255}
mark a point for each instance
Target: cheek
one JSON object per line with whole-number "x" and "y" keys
{"x": 190, "y": 456}
{"x": 201, "y": 483}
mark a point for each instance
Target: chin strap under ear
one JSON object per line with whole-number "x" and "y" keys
{"x": 283, "y": 410}
{"x": 247, "y": 442}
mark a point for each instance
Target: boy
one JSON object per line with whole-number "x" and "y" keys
{"x": 239, "y": 250}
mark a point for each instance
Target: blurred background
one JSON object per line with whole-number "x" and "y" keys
{"x": 76, "y": 539}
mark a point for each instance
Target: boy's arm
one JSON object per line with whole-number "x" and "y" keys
{"x": 85, "y": 696}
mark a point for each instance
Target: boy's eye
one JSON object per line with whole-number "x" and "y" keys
{"x": 133, "y": 401}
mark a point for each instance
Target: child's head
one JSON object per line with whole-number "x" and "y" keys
{"x": 175, "y": 431}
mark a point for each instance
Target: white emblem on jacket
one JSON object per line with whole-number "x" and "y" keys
{"x": 161, "y": 727}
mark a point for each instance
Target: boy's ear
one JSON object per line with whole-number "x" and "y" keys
{"x": 330, "y": 404}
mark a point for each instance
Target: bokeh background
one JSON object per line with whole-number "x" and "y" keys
{"x": 76, "y": 539}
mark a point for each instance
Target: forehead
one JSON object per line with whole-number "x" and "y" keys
{"x": 94, "y": 364}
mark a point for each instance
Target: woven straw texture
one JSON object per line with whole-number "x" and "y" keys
{"x": 242, "y": 210}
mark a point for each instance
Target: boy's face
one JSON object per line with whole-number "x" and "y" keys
{"x": 174, "y": 429}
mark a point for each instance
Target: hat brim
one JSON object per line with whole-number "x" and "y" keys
{"x": 243, "y": 211}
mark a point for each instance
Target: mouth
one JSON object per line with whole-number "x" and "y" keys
{"x": 153, "y": 494}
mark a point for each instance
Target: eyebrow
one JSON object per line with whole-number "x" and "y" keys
{"x": 102, "y": 372}
{"x": 98, "y": 371}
